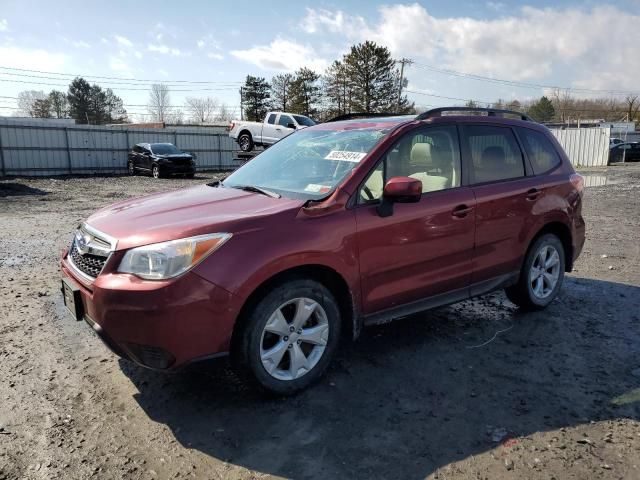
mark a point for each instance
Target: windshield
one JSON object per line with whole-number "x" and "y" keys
{"x": 164, "y": 149}
{"x": 309, "y": 163}
{"x": 302, "y": 120}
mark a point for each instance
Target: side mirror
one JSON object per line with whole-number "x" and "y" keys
{"x": 291, "y": 125}
{"x": 399, "y": 190}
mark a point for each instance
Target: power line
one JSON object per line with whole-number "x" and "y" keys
{"x": 118, "y": 88}
{"x": 115, "y": 78}
{"x": 515, "y": 83}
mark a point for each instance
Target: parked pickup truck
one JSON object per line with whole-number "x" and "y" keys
{"x": 276, "y": 125}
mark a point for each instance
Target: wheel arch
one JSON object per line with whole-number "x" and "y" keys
{"x": 563, "y": 232}
{"x": 323, "y": 274}
{"x": 247, "y": 131}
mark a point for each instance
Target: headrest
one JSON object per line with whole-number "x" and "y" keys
{"x": 421, "y": 153}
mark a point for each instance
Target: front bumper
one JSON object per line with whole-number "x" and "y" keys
{"x": 160, "y": 325}
{"x": 169, "y": 168}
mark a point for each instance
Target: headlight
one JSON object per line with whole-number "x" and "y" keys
{"x": 164, "y": 260}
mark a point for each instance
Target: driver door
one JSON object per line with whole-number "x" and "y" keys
{"x": 423, "y": 249}
{"x": 282, "y": 129}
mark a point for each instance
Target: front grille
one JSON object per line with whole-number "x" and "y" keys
{"x": 87, "y": 263}
{"x": 181, "y": 162}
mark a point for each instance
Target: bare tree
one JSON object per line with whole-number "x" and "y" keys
{"x": 159, "y": 102}
{"x": 224, "y": 115}
{"x": 175, "y": 117}
{"x": 562, "y": 101}
{"x": 633, "y": 106}
{"x": 27, "y": 102}
{"x": 201, "y": 109}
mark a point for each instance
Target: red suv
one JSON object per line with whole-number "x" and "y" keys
{"x": 338, "y": 226}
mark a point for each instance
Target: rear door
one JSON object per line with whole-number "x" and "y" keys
{"x": 269, "y": 129}
{"x": 425, "y": 248}
{"x": 505, "y": 197}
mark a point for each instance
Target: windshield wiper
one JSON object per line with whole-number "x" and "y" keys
{"x": 253, "y": 188}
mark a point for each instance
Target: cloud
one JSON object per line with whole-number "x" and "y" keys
{"x": 123, "y": 41}
{"x": 215, "y": 56}
{"x": 80, "y": 44}
{"x": 282, "y": 54}
{"x": 37, "y": 59}
{"x": 4, "y": 25}
{"x": 165, "y": 50}
{"x": 594, "y": 45}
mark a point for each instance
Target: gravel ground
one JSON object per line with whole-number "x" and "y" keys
{"x": 475, "y": 390}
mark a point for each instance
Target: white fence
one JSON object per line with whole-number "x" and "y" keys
{"x": 38, "y": 148}
{"x": 585, "y": 147}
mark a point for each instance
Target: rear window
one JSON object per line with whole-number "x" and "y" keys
{"x": 542, "y": 155}
{"x": 495, "y": 154}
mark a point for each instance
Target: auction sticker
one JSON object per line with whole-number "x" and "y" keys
{"x": 315, "y": 188}
{"x": 345, "y": 156}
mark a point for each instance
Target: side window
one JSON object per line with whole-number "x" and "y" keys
{"x": 430, "y": 155}
{"x": 495, "y": 154}
{"x": 272, "y": 119}
{"x": 539, "y": 149}
{"x": 285, "y": 120}
{"x": 137, "y": 149}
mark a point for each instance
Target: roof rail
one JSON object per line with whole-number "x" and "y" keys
{"x": 491, "y": 112}
{"x": 352, "y": 116}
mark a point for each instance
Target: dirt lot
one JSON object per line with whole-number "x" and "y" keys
{"x": 476, "y": 390}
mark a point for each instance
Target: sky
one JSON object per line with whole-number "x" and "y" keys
{"x": 206, "y": 48}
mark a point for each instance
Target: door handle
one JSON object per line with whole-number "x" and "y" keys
{"x": 461, "y": 211}
{"x": 278, "y": 129}
{"x": 533, "y": 193}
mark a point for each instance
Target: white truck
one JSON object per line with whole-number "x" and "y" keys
{"x": 276, "y": 125}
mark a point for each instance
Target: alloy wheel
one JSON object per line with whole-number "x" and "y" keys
{"x": 156, "y": 172}
{"x": 294, "y": 339}
{"x": 545, "y": 271}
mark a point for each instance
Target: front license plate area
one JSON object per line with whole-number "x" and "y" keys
{"x": 72, "y": 299}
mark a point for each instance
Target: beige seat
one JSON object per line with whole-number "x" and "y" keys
{"x": 421, "y": 155}
{"x": 375, "y": 184}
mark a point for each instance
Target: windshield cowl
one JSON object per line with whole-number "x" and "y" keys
{"x": 318, "y": 208}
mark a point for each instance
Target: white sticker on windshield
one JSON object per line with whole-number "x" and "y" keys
{"x": 315, "y": 188}
{"x": 345, "y": 156}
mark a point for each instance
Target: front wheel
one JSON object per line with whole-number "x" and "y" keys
{"x": 289, "y": 337}
{"x": 155, "y": 171}
{"x": 541, "y": 276}
{"x": 246, "y": 142}
{"x": 131, "y": 168}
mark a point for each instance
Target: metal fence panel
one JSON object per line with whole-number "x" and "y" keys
{"x": 586, "y": 147}
{"x": 37, "y": 148}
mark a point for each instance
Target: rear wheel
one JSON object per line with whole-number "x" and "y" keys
{"x": 246, "y": 142}
{"x": 541, "y": 276}
{"x": 155, "y": 171}
{"x": 290, "y": 337}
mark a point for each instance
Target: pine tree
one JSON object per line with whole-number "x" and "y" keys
{"x": 79, "y": 97}
{"x": 255, "y": 98}
{"x": 281, "y": 91}
{"x": 374, "y": 80}
{"x": 337, "y": 89}
{"x": 305, "y": 92}
{"x": 542, "y": 110}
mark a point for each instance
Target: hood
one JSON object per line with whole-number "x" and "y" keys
{"x": 174, "y": 155}
{"x": 184, "y": 213}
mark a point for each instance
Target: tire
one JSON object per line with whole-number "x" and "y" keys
{"x": 246, "y": 142}
{"x": 155, "y": 172}
{"x": 537, "y": 288}
{"x": 266, "y": 345}
{"x": 131, "y": 169}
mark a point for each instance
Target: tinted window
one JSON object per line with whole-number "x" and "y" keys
{"x": 137, "y": 149}
{"x": 164, "y": 149}
{"x": 430, "y": 155}
{"x": 272, "y": 119}
{"x": 302, "y": 120}
{"x": 285, "y": 120}
{"x": 542, "y": 155}
{"x": 495, "y": 154}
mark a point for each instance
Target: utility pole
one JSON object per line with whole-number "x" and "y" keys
{"x": 402, "y": 64}
{"x": 241, "y": 104}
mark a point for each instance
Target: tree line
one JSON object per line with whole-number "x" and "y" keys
{"x": 366, "y": 80}
{"x": 561, "y": 107}
{"x": 83, "y": 102}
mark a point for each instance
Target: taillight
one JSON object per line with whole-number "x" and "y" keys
{"x": 577, "y": 181}
{"x": 231, "y": 125}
